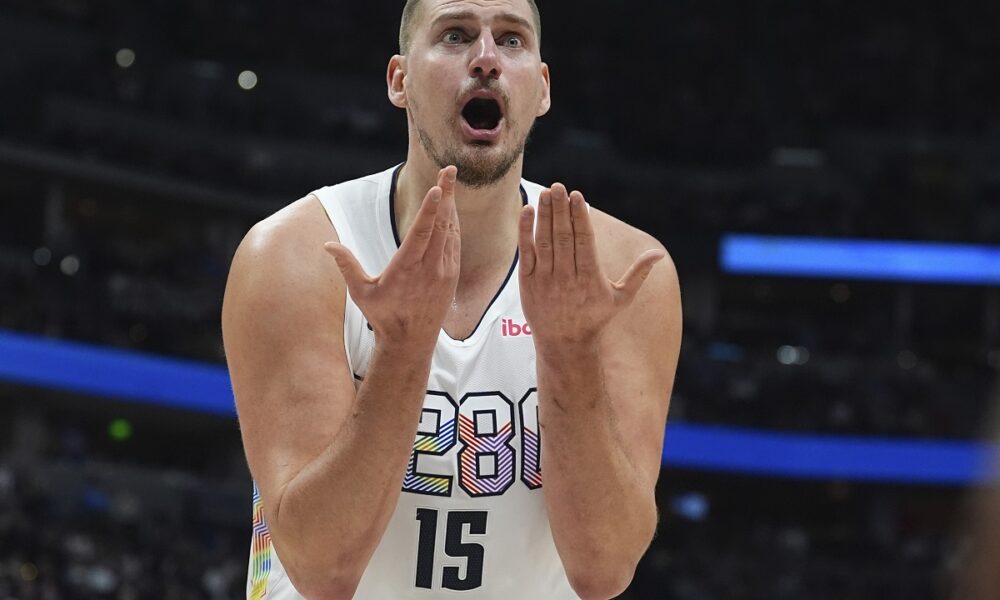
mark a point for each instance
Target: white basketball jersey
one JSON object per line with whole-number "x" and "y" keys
{"x": 471, "y": 520}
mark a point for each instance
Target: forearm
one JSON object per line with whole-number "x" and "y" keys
{"x": 602, "y": 516}
{"x": 333, "y": 513}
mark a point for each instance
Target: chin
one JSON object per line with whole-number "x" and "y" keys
{"x": 483, "y": 171}
{"x": 480, "y": 163}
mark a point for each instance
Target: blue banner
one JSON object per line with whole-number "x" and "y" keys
{"x": 114, "y": 373}
{"x": 921, "y": 262}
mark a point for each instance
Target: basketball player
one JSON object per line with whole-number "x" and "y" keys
{"x": 452, "y": 382}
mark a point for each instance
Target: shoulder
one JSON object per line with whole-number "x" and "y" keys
{"x": 283, "y": 253}
{"x": 288, "y": 237}
{"x": 305, "y": 221}
{"x": 281, "y": 264}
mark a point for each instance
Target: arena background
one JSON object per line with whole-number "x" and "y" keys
{"x": 833, "y": 391}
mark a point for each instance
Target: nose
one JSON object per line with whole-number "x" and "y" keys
{"x": 486, "y": 62}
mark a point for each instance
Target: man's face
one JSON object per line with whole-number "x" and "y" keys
{"x": 475, "y": 84}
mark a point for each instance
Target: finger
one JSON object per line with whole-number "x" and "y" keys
{"x": 422, "y": 229}
{"x": 526, "y": 240}
{"x": 452, "y": 255}
{"x": 562, "y": 232}
{"x": 628, "y": 286}
{"x": 585, "y": 250}
{"x": 354, "y": 274}
{"x": 543, "y": 234}
{"x": 456, "y": 226}
{"x": 445, "y": 214}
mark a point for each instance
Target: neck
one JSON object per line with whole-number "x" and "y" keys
{"x": 487, "y": 215}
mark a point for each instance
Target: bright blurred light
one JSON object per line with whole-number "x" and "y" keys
{"x": 42, "y": 256}
{"x": 692, "y": 506}
{"x": 125, "y": 57}
{"x": 792, "y": 355}
{"x": 247, "y": 80}
{"x": 70, "y": 265}
{"x": 120, "y": 430}
{"x": 29, "y": 572}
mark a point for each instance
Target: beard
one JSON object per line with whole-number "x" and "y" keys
{"x": 479, "y": 164}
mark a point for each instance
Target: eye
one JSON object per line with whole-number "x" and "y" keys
{"x": 453, "y": 36}
{"x": 512, "y": 41}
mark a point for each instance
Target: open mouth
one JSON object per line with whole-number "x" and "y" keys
{"x": 482, "y": 114}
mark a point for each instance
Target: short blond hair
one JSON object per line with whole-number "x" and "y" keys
{"x": 410, "y": 12}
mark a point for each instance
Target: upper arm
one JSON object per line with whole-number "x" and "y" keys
{"x": 283, "y": 326}
{"x": 640, "y": 353}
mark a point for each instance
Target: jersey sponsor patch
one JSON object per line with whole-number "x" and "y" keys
{"x": 510, "y": 328}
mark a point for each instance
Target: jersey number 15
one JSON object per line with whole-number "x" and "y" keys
{"x": 454, "y": 546}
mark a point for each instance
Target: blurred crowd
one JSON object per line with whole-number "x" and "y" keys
{"x": 86, "y": 518}
{"x": 78, "y": 543}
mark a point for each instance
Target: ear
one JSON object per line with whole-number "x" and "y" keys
{"x": 394, "y": 81}
{"x": 546, "y": 102}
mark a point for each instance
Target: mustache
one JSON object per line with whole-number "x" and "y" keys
{"x": 489, "y": 85}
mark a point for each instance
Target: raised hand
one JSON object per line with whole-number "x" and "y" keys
{"x": 410, "y": 299}
{"x": 565, "y": 294}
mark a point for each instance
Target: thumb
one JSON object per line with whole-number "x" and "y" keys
{"x": 349, "y": 266}
{"x": 631, "y": 282}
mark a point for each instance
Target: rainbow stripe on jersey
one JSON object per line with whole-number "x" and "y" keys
{"x": 260, "y": 550}
{"x": 435, "y": 444}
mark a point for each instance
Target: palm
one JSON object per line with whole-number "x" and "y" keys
{"x": 565, "y": 293}
{"x": 411, "y": 297}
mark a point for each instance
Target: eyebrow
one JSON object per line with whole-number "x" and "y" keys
{"x": 468, "y": 15}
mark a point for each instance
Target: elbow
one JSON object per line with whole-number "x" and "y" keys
{"x": 322, "y": 575}
{"x": 326, "y": 591}
{"x": 604, "y": 571}
{"x": 603, "y": 574}
{"x": 317, "y": 584}
{"x": 327, "y": 574}
{"x": 600, "y": 582}
{"x": 317, "y": 569}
